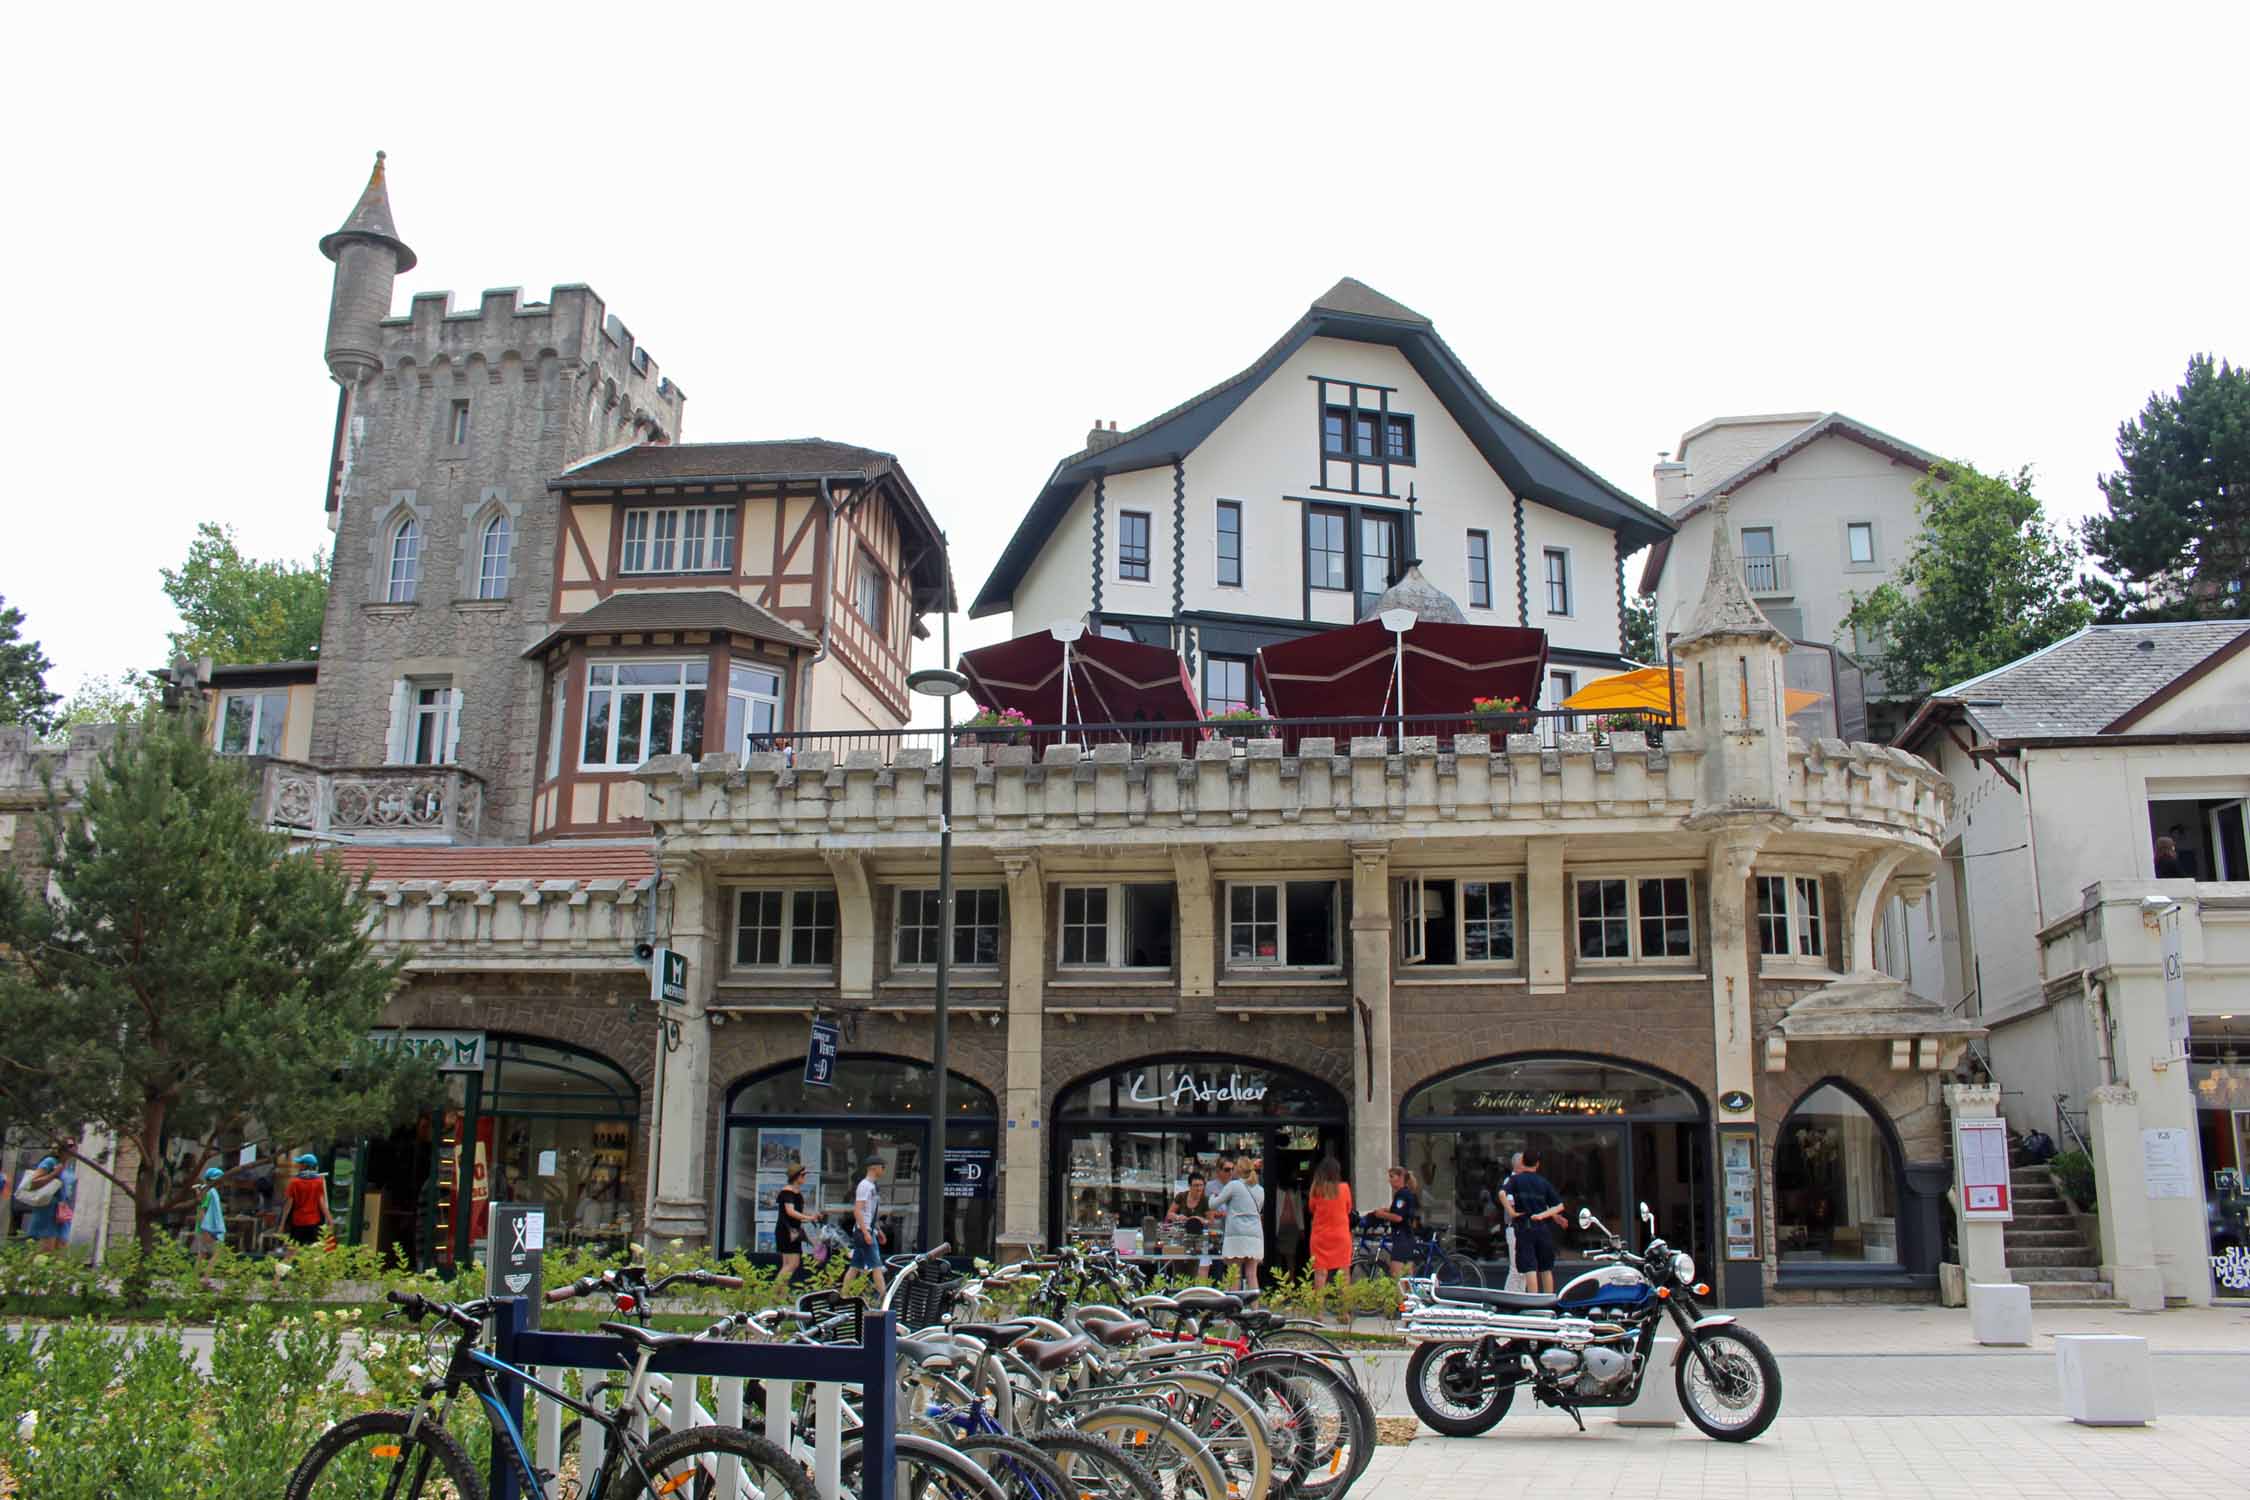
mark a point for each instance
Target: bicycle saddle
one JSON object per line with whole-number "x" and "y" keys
{"x": 1053, "y": 1354}
{"x": 1207, "y": 1299}
{"x": 1115, "y": 1331}
{"x": 1154, "y": 1302}
{"x": 927, "y": 1353}
{"x": 998, "y": 1335}
{"x": 634, "y": 1334}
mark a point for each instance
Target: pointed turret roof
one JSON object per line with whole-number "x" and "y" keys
{"x": 370, "y": 219}
{"x": 1726, "y": 608}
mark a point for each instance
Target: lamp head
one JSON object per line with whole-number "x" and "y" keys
{"x": 1398, "y": 621}
{"x": 937, "y": 682}
{"x": 1067, "y": 631}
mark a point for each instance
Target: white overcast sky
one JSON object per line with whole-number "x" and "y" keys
{"x": 964, "y": 233}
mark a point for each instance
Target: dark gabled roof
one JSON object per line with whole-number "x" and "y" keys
{"x": 645, "y": 464}
{"x": 1527, "y": 462}
{"x": 677, "y": 609}
{"x": 2098, "y": 681}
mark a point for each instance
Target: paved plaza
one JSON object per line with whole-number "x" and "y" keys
{"x": 1883, "y": 1402}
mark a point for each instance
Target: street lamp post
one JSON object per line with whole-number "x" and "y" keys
{"x": 943, "y": 684}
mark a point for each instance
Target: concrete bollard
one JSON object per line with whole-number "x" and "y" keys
{"x": 1658, "y": 1404}
{"x": 2105, "y": 1379}
{"x": 2000, "y": 1313}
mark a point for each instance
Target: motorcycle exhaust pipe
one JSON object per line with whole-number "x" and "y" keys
{"x": 1455, "y": 1322}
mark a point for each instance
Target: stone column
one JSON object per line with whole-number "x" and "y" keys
{"x": 2113, "y": 1118}
{"x": 679, "y": 1205}
{"x": 1546, "y": 918}
{"x": 1733, "y": 853}
{"x": 1199, "y": 938}
{"x": 1023, "y": 1132}
{"x": 1983, "y": 1256}
{"x": 1374, "y": 1132}
{"x": 855, "y": 925}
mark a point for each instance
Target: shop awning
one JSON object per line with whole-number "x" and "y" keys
{"x": 1347, "y": 673}
{"x": 1108, "y": 681}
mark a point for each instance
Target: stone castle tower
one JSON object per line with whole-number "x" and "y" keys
{"x": 449, "y": 424}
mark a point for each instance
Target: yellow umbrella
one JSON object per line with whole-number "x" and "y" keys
{"x": 1648, "y": 690}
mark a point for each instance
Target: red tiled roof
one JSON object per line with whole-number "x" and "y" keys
{"x": 630, "y": 862}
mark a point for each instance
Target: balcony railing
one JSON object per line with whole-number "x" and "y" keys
{"x": 1766, "y": 572}
{"x": 1545, "y": 724}
{"x": 373, "y": 804}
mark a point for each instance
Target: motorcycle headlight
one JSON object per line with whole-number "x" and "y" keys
{"x": 1683, "y": 1268}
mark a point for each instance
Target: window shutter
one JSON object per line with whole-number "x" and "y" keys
{"x": 453, "y": 730}
{"x": 401, "y": 737}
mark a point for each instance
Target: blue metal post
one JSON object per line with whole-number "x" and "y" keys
{"x": 507, "y": 1324}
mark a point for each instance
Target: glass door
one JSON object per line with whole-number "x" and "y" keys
{"x": 1378, "y": 558}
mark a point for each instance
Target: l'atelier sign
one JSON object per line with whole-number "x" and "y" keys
{"x": 1553, "y": 1102}
{"x": 1188, "y": 1089}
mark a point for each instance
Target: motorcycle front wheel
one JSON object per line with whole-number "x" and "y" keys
{"x": 1739, "y": 1394}
{"x": 1443, "y": 1387}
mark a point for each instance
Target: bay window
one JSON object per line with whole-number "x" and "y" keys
{"x": 1282, "y": 924}
{"x": 753, "y": 708}
{"x": 1789, "y": 916}
{"x": 636, "y": 710}
{"x": 1620, "y": 919}
{"x": 976, "y": 927}
{"x": 1116, "y": 927}
{"x": 785, "y": 929}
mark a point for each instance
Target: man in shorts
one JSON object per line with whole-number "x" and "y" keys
{"x": 867, "y": 1211}
{"x": 1537, "y": 1208}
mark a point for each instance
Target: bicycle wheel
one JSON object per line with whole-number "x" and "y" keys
{"x": 925, "y": 1470}
{"x": 1230, "y": 1421}
{"x": 1300, "y": 1340}
{"x": 1182, "y": 1464}
{"x": 1018, "y": 1467}
{"x": 1452, "y": 1269}
{"x": 714, "y": 1463}
{"x": 372, "y": 1455}
{"x": 1324, "y": 1426}
{"x": 1097, "y": 1470}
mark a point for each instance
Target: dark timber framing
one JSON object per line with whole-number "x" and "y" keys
{"x": 1523, "y": 576}
{"x": 1352, "y": 409}
{"x": 1101, "y": 504}
{"x": 1354, "y": 554}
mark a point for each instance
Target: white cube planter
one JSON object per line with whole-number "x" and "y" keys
{"x": 2000, "y": 1313}
{"x": 1658, "y": 1404}
{"x": 2106, "y": 1380}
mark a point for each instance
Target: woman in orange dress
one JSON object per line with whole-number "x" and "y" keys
{"x": 1331, "y": 1243}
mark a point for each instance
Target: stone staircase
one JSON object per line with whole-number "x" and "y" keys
{"x": 2044, "y": 1248}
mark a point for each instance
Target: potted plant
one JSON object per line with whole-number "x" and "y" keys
{"x": 1502, "y": 716}
{"x": 1005, "y": 726}
{"x": 1235, "y": 721}
{"x": 1629, "y": 722}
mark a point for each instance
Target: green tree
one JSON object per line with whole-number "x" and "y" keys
{"x": 185, "y": 976}
{"x": 1640, "y": 629}
{"x": 24, "y": 698}
{"x": 2177, "y": 533}
{"x": 236, "y": 609}
{"x": 1989, "y": 580}
{"x": 107, "y": 700}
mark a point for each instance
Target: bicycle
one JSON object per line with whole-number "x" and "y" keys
{"x": 1426, "y": 1257}
{"x": 407, "y": 1455}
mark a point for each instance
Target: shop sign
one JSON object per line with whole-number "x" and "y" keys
{"x": 2232, "y": 1270}
{"x": 968, "y": 1172}
{"x": 515, "y": 1248}
{"x": 1189, "y": 1089}
{"x": 450, "y": 1051}
{"x": 669, "y": 974}
{"x": 821, "y": 1050}
{"x": 1544, "y": 1102}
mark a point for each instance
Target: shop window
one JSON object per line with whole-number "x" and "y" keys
{"x": 1789, "y": 916}
{"x": 1453, "y": 921}
{"x": 794, "y": 929}
{"x": 976, "y": 927}
{"x": 1835, "y": 1184}
{"x": 1116, "y": 927}
{"x": 1643, "y": 918}
{"x": 1282, "y": 924}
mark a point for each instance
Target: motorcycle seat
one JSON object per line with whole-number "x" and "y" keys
{"x": 1484, "y": 1296}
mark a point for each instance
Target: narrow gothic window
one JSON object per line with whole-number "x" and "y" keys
{"x": 406, "y": 562}
{"x": 492, "y": 572}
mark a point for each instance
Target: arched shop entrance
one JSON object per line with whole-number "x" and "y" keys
{"x": 1611, "y": 1136}
{"x": 876, "y": 1107}
{"x": 524, "y": 1121}
{"x": 1126, "y": 1140}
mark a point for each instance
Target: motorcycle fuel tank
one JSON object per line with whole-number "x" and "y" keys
{"x": 1604, "y": 1287}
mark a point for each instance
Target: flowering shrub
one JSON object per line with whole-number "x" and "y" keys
{"x": 998, "y": 726}
{"x": 1236, "y": 716}
{"x": 1503, "y": 715}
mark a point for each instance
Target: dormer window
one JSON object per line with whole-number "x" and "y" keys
{"x": 678, "y": 539}
{"x": 1374, "y": 436}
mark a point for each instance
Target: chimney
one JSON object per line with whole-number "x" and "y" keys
{"x": 1671, "y": 485}
{"x": 1100, "y": 437}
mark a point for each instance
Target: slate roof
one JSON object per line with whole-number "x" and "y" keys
{"x": 370, "y": 219}
{"x": 2085, "y": 683}
{"x": 631, "y": 863}
{"x": 678, "y": 609}
{"x": 1530, "y": 464}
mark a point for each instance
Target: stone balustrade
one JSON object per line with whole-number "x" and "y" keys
{"x": 371, "y": 804}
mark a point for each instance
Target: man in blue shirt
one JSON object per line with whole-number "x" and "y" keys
{"x": 1538, "y": 1209}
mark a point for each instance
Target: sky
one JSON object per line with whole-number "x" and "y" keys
{"x": 964, "y": 234}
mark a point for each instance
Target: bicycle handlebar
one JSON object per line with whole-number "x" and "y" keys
{"x": 416, "y": 1307}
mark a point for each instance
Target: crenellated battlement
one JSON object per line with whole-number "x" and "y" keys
{"x": 573, "y": 326}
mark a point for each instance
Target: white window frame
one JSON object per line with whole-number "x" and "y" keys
{"x": 1549, "y": 557}
{"x": 431, "y": 700}
{"x": 1413, "y": 932}
{"x": 648, "y": 692}
{"x": 999, "y": 924}
{"x": 1115, "y": 924}
{"x": 871, "y": 590}
{"x": 1804, "y": 937}
{"x": 655, "y": 539}
{"x": 1635, "y": 953}
{"x": 558, "y": 700}
{"x": 788, "y": 928}
{"x": 258, "y": 699}
{"x": 492, "y": 581}
{"x": 738, "y": 742}
{"x": 1282, "y": 959}
{"x": 402, "y": 576}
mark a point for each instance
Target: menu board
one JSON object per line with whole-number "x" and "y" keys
{"x": 2165, "y": 1166}
{"x": 1980, "y": 1166}
{"x": 1738, "y": 1178}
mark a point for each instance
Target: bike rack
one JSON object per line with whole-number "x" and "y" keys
{"x": 781, "y": 1368}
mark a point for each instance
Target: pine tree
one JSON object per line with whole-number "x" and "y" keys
{"x": 24, "y": 698}
{"x": 2178, "y": 529}
{"x": 186, "y": 976}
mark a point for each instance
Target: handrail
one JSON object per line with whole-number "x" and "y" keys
{"x": 2065, "y": 1125}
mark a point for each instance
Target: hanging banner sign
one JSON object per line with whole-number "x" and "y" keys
{"x": 821, "y": 1051}
{"x": 450, "y": 1051}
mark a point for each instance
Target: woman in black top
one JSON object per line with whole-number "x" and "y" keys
{"x": 789, "y": 1222}
{"x": 1403, "y": 1218}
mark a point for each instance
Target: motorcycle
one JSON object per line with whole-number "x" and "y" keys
{"x": 1589, "y": 1345}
